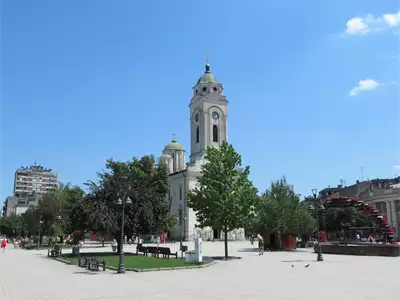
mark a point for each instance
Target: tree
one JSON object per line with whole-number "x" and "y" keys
{"x": 225, "y": 197}
{"x": 143, "y": 181}
{"x": 53, "y": 210}
{"x": 334, "y": 219}
{"x": 280, "y": 211}
{"x": 11, "y": 225}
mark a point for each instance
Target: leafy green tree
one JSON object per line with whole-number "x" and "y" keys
{"x": 225, "y": 197}
{"x": 143, "y": 181}
{"x": 11, "y": 226}
{"x": 280, "y": 211}
{"x": 53, "y": 210}
{"x": 334, "y": 219}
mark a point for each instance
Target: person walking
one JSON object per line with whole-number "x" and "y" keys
{"x": 3, "y": 244}
{"x": 260, "y": 245}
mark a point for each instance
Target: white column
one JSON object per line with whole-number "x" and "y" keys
{"x": 392, "y": 213}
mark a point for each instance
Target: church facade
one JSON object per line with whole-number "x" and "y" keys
{"x": 208, "y": 128}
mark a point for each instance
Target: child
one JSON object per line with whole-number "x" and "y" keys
{"x": 3, "y": 244}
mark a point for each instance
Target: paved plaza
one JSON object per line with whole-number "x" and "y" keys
{"x": 30, "y": 275}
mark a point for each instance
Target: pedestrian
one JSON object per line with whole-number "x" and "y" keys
{"x": 260, "y": 245}
{"x": 3, "y": 244}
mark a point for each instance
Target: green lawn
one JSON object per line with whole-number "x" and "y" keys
{"x": 138, "y": 262}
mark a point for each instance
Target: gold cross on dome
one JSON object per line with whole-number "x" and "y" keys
{"x": 173, "y": 136}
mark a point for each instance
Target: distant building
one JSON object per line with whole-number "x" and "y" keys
{"x": 383, "y": 193}
{"x": 30, "y": 183}
{"x": 359, "y": 187}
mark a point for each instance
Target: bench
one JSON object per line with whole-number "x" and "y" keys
{"x": 141, "y": 249}
{"x": 153, "y": 251}
{"x": 83, "y": 261}
{"x": 91, "y": 263}
{"x": 166, "y": 252}
{"x": 54, "y": 252}
{"x": 94, "y": 264}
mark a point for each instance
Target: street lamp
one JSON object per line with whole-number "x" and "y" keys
{"x": 40, "y": 226}
{"x": 317, "y": 208}
{"x": 121, "y": 267}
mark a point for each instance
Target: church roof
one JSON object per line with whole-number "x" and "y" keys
{"x": 174, "y": 145}
{"x": 207, "y": 77}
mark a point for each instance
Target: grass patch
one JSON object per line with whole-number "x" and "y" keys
{"x": 138, "y": 262}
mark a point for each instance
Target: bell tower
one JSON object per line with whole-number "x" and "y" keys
{"x": 208, "y": 115}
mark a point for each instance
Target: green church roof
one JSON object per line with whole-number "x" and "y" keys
{"x": 207, "y": 77}
{"x": 174, "y": 145}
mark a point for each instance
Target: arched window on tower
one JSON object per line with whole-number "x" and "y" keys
{"x": 197, "y": 134}
{"x": 215, "y": 133}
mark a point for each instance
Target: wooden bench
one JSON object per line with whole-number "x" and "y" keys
{"x": 166, "y": 252}
{"x": 83, "y": 261}
{"x": 141, "y": 249}
{"x": 153, "y": 251}
{"x": 94, "y": 264}
{"x": 54, "y": 252}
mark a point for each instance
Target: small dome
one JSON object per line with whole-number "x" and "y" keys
{"x": 174, "y": 145}
{"x": 207, "y": 77}
{"x": 165, "y": 156}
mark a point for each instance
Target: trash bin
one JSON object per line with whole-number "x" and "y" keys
{"x": 75, "y": 250}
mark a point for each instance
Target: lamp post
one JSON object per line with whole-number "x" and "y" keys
{"x": 316, "y": 208}
{"x": 123, "y": 203}
{"x": 40, "y": 227}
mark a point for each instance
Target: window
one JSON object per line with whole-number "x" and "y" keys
{"x": 180, "y": 193}
{"x": 215, "y": 133}
{"x": 197, "y": 134}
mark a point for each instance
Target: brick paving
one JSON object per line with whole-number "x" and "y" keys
{"x": 30, "y": 275}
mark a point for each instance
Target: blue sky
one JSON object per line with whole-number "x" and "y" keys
{"x": 83, "y": 81}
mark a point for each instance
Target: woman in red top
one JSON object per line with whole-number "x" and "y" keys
{"x": 3, "y": 244}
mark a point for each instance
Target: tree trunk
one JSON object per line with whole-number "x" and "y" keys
{"x": 226, "y": 242}
{"x": 279, "y": 240}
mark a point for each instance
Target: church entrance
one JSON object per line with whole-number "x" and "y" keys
{"x": 216, "y": 234}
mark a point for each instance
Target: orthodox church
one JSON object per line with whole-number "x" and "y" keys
{"x": 208, "y": 128}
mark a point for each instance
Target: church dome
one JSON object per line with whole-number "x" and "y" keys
{"x": 165, "y": 157}
{"x": 174, "y": 145}
{"x": 207, "y": 77}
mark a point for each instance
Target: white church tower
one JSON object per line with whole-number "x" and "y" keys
{"x": 208, "y": 116}
{"x": 208, "y": 128}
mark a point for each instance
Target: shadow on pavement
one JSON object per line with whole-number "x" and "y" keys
{"x": 299, "y": 260}
{"x": 248, "y": 250}
{"x": 85, "y": 273}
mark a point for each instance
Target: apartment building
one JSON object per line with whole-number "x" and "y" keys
{"x": 30, "y": 183}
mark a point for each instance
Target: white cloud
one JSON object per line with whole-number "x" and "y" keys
{"x": 356, "y": 26}
{"x": 364, "y": 85}
{"x": 392, "y": 19}
{"x": 360, "y": 26}
{"x": 396, "y": 167}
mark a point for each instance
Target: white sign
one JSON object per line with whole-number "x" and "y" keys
{"x": 198, "y": 248}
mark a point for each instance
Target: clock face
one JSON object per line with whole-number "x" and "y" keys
{"x": 215, "y": 115}
{"x": 197, "y": 117}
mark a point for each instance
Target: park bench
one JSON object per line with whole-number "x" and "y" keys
{"x": 94, "y": 264}
{"x": 55, "y": 251}
{"x": 153, "y": 251}
{"x": 166, "y": 252}
{"x": 141, "y": 249}
{"x": 83, "y": 261}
